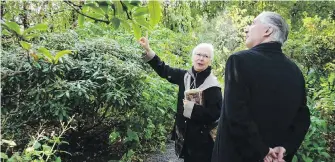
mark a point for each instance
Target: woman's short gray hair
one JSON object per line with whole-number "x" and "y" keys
{"x": 280, "y": 27}
{"x": 205, "y": 45}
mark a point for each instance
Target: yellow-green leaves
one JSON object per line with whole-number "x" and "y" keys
{"x": 46, "y": 53}
{"x": 155, "y": 12}
{"x": 50, "y": 57}
{"x": 118, "y": 8}
{"x": 61, "y": 54}
{"x": 133, "y": 16}
{"x": 39, "y": 27}
{"x": 13, "y": 26}
{"x": 25, "y": 45}
{"x": 81, "y": 19}
{"x": 137, "y": 30}
{"x": 140, "y": 11}
{"x": 27, "y": 34}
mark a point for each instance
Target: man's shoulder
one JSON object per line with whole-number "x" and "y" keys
{"x": 241, "y": 54}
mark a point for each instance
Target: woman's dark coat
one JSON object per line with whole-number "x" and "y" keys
{"x": 194, "y": 138}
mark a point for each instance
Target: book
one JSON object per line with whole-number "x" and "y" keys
{"x": 196, "y": 96}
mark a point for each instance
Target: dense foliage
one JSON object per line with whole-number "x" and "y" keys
{"x": 74, "y": 86}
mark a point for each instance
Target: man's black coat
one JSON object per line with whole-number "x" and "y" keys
{"x": 264, "y": 106}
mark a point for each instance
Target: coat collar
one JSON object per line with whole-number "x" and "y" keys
{"x": 268, "y": 47}
{"x": 201, "y": 75}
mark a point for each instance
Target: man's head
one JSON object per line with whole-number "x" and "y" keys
{"x": 266, "y": 27}
{"x": 202, "y": 56}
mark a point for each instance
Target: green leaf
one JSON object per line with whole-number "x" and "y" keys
{"x": 103, "y": 5}
{"x": 137, "y": 31}
{"x": 116, "y": 22}
{"x": 25, "y": 45}
{"x": 46, "y": 148}
{"x": 130, "y": 153}
{"x": 141, "y": 21}
{"x": 14, "y": 26}
{"x": 155, "y": 12}
{"x": 6, "y": 32}
{"x": 118, "y": 7}
{"x": 61, "y": 54}
{"x": 46, "y": 53}
{"x": 81, "y": 19}
{"x": 161, "y": 110}
{"x": 3, "y": 156}
{"x": 295, "y": 159}
{"x": 37, "y": 65}
{"x": 307, "y": 159}
{"x": 131, "y": 136}
{"x": 9, "y": 142}
{"x": 325, "y": 154}
{"x": 113, "y": 136}
{"x": 85, "y": 9}
{"x": 126, "y": 25}
{"x": 37, "y": 145}
{"x": 39, "y": 27}
{"x": 96, "y": 9}
{"x": 140, "y": 11}
{"x": 67, "y": 94}
{"x": 58, "y": 159}
{"x": 29, "y": 36}
{"x": 96, "y": 15}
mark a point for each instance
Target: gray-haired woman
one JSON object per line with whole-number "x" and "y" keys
{"x": 194, "y": 121}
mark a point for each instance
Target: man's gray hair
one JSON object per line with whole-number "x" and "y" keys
{"x": 205, "y": 45}
{"x": 277, "y": 22}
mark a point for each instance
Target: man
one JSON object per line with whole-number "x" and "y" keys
{"x": 264, "y": 117}
{"x": 193, "y": 121}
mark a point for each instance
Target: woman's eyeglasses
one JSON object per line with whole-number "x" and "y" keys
{"x": 202, "y": 55}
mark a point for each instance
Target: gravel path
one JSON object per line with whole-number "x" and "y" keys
{"x": 167, "y": 156}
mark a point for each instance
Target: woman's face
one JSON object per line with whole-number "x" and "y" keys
{"x": 201, "y": 59}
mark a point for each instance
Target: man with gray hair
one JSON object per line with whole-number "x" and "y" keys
{"x": 264, "y": 115}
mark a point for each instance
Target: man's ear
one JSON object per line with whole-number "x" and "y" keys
{"x": 268, "y": 32}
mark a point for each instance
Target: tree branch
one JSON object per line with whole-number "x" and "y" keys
{"x": 77, "y": 10}
{"x": 125, "y": 7}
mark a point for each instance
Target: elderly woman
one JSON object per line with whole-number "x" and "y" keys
{"x": 194, "y": 121}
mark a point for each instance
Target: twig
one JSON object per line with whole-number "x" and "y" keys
{"x": 65, "y": 128}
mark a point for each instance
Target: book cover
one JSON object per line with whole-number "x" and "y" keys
{"x": 195, "y": 95}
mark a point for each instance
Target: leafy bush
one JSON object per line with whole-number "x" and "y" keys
{"x": 319, "y": 141}
{"x": 101, "y": 83}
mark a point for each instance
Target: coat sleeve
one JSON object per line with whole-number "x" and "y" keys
{"x": 173, "y": 75}
{"x": 210, "y": 112}
{"x": 241, "y": 127}
{"x": 299, "y": 126}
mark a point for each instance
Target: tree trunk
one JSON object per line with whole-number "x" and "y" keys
{"x": 25, "y": 15}
{"x": 2, "y": 9}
